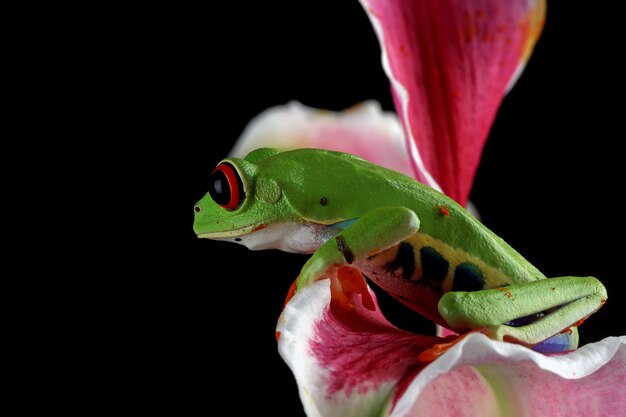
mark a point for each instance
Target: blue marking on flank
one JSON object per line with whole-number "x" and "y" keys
{"x": 339, "y": 226}
{"x": 434, "y": 268}
{"x": 561, "y": 342}
{"x": 405, "y": 259}
{"x": 468, "y": 277}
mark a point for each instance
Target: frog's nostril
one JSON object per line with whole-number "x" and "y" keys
{"x": 197, "y": 209}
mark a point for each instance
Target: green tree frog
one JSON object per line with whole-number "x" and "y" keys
{"x": 415, "y": 243}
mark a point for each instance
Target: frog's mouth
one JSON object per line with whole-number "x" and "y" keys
{"x": 255, "y": 237}
{"x": 234, "y": 233}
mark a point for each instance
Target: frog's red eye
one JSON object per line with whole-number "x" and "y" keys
{"x": 225, "y": 186}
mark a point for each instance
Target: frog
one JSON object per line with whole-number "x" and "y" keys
{"x": 412, "y": 241}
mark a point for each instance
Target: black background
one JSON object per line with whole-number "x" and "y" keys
{"x": 547, "y": 184}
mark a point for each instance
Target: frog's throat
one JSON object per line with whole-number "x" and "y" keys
{"x": 295, "y": 237}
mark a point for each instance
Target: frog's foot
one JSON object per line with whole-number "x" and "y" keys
{"x": 345, "y": 282}
{"x": 439, "y": 349}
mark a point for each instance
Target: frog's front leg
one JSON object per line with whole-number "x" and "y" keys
{"x": 563, "y": 301}
{"x": 371, "y": 233}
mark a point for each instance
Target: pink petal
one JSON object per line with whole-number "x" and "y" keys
{"x": 480, "y": 377}
{"x": 450, "y": 62}
{"x": 522, "y": 390}
{"x": 364, "y": 130}
{"x": 347, "y": 359}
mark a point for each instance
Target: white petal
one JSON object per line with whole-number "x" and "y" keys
{"x": 364, "y": 130}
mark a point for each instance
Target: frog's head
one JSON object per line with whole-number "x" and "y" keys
{"x": 285, "y": 200}
{"x": 241, "y": 202}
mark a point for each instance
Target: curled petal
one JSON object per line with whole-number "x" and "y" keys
{"x": 364, "y": 130}
{"x": 450, "y": 62}
{"x": 487, "y": 378}
{"x": 347, "y": 359}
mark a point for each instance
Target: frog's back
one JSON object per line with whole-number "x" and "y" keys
{"x": 449, "y": 237}
{"x": 452, "y": 250}
{"x": 452, "y": 239}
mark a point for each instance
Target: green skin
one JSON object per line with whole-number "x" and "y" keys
{"x": 417, "y": 244}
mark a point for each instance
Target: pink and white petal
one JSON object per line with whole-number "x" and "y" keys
{"x": 482, "y": 377}
{"x": 364, "y": 130}
{"x": 450, "y": 62}
{"x": 347, "y": 361}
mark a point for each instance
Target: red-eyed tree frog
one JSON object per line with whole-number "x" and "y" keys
{"x": 415, "y": 243}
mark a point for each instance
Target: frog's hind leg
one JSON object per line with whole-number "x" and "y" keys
{"x": 556, "y": 304}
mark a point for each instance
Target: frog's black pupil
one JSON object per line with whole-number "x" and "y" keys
{"x": 218, "y": 188}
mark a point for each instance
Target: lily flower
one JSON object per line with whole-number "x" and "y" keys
{"x": 449, "y": 63}
{"x": 353, "y": 362}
